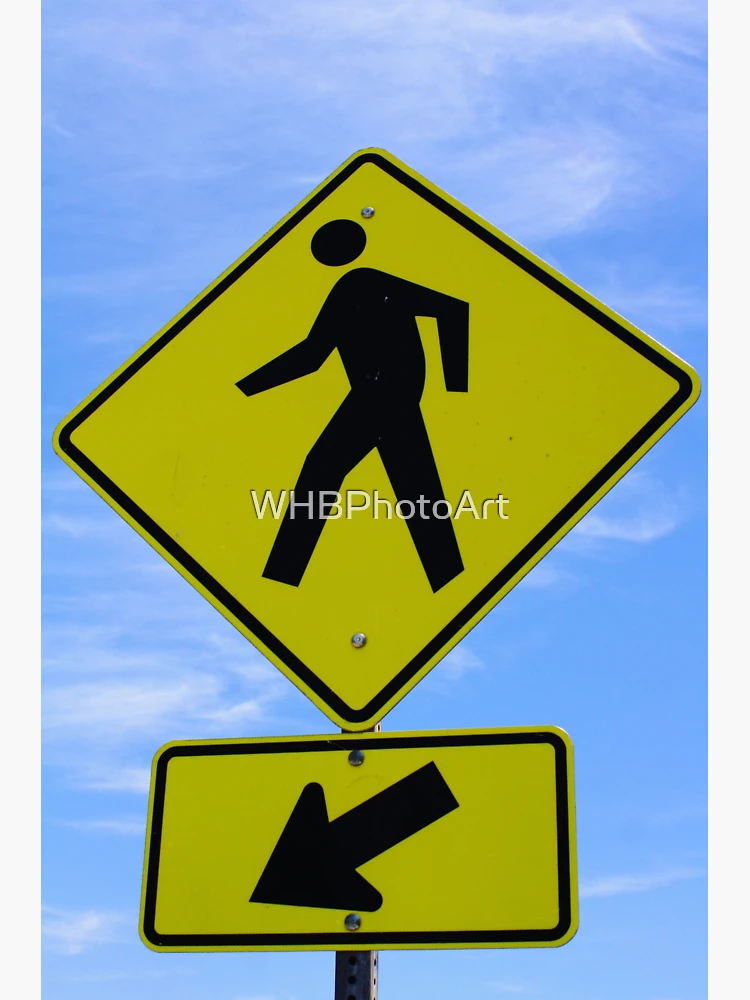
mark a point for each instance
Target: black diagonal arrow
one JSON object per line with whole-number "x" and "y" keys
{"x": 315, "y": 860}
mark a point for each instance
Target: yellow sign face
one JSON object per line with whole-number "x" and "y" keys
{"x": 462, "y": 839}
{"x": 373, "y": 425}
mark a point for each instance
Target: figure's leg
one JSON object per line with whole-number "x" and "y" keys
{"x": 408, "y": 460}
{"x": 343, "y": 444}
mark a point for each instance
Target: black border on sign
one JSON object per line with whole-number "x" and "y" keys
{"x": 227, "y": 600}
{"x": 426, "y": 938}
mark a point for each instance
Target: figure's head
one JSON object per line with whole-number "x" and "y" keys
{"x": 338, "y": 242}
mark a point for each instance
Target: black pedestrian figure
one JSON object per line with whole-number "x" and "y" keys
{"x": 370, "y": 317}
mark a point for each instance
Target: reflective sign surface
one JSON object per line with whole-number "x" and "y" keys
{"x": 373, "y": 424}
{"x": 431, "y": 839}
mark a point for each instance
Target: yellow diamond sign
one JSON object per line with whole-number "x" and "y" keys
{"x": 363, "y": 434}
{"x": 462, "y": 839}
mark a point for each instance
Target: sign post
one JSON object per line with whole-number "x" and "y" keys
{"x": 356, "y": 974}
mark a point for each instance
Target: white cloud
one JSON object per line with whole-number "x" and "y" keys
{"x": 97, "y": 649}
{"x": 73, "y": 931}
{"x": 638, "y": 510}
{"x": 66, "y": 483}
{"x": 408, "y": 40}
{"x": 230, "y": 716}
{"x": 79, "y": 527}
{"x": 133, "y": 658}
{"x": 173, "y": 270}
{"x": 664, "y": 303}
{"x": 544, "y": 575}
{"x": 112, "y": 710}
{"x": 105, "y": 778}
{"x": 459, "y": 662}
{"x": 615, "y": 885}
{"x": 509, "y": 87}
{"x": 551, "y": 179}
{"x": 116, "y": 708}
{"x": 123, "y": 826}
{"x": 452, "y": 668}
{"x": 133, "y": 653}
{"x": 645, "y": 526}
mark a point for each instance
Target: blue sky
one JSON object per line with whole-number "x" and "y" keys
{"x": 174, "y": 135}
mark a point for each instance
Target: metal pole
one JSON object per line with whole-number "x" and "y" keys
{"x": 357, "y": 971}
{"x": 356, "y": 975}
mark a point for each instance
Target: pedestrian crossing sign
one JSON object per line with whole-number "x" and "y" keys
{"x": 366, "y": 431}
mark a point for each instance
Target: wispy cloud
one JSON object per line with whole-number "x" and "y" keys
{"x": 643, "y": 527}
{"x": 499, "y": 97}
{"x": 63, "y": 483}
{"x": 109, "y": 777}
{"x": 122, "y": 826}
{"x": 432, "y": 48}
{"x": 554, "y": 180}
{"x": 459, "y": 662}
{"x": 452, "y": 668}
{"x": 114, "y": 712}
{"x": 638, "y": 510}
{"x": 120, "y": 707}
{"x": 73, "y": 931}
{"x": 665, "y": 303}
{"x": 79, "y": 527}
{"x": 616, "y": 885}
{"x": 134, "y": 657}
{"x": 545, "y": 575}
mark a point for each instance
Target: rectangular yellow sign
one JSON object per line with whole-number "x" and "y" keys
{"x": 445, "y": 839}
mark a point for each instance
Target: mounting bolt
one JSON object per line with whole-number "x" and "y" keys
{"x": 367, "y": 213}
{"x": 358, "y": 640}
{"x": 353, "y": 922}
{"x": 356, "y": 757}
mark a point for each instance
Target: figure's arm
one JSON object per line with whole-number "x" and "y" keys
{"x": 302, "y": 359}
{"x": 453, "y": 333}
{"x": 452, "y": 317}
